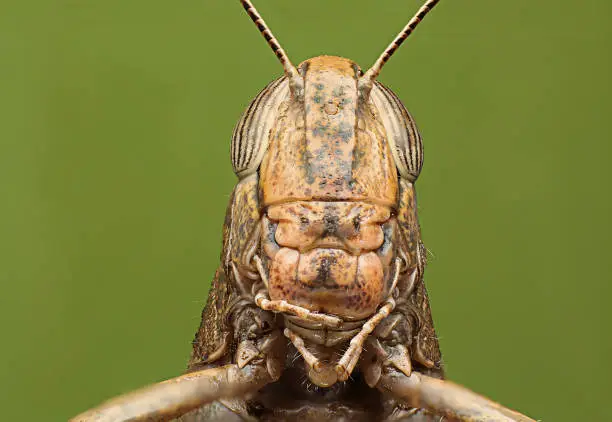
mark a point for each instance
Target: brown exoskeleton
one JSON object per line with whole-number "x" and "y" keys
{"x": 318, "y": 311}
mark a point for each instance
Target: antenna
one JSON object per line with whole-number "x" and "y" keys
{"x": 295, "y": 80}
{"x": 370, "y": 76}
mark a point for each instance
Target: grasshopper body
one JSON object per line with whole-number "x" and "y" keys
{"x": 323, "y": 221}
{"x": 318, "y": 311}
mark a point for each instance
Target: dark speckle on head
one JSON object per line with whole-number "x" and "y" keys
{"x": 330, "y": 222}
{"x": 323, "y": 278}
{"x": 323, "y": 270}
{"x": 356, "y": 222}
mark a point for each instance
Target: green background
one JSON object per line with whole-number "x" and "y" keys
{"x": 115, "y": 122}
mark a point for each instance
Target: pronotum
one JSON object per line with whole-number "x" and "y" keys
{"x": 318, "y": 311}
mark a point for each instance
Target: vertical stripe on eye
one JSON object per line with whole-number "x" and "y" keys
{"x": 401, "y": 131}
{"x": 249, "y": 139}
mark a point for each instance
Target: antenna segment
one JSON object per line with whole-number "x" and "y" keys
{"x": 370, "y": 76}
{"x": 290, "y": 69}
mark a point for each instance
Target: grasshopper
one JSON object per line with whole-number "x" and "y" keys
{"x": 318, "y": 310}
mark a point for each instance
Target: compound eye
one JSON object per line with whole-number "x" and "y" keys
{"x": 250, "y": 138}
{"x": 402, "y": 133}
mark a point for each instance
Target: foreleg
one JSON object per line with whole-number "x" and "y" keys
{"x": 177, "y": 396}
{"x": 445, "y": 398}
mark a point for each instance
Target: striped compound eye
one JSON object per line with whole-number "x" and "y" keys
{"x": 402, "y": 133}
{"x": 250, "y": 138}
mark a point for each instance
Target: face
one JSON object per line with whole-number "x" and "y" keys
{"x": 329, "y": 186}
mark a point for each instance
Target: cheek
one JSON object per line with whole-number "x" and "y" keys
{"x": 370, "y": 281}
{"x": 283, "y": 274}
